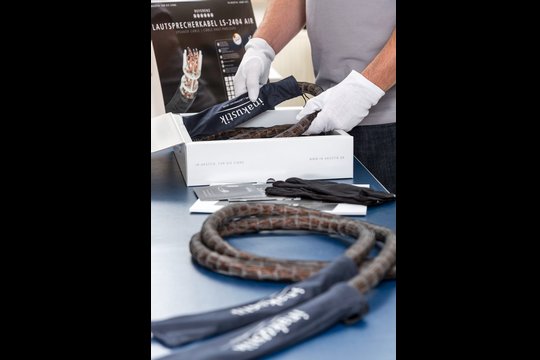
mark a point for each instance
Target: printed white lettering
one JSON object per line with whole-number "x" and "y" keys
{"x": 216, "y": 24}
{"x": 228, "y": 117}
{"x": 266, "y": 331}
{"x": 276, "y": 300}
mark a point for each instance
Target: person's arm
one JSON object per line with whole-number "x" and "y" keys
{"x": 282, "y": 20}
{"x": 382, "y": 69}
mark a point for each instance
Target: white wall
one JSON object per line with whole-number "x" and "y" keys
{"x": 157, "y": 105}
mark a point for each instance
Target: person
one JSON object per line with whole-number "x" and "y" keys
{"x": 353, "y": 48}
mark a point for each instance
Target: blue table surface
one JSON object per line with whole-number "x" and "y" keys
{"x": 180, "y": 286}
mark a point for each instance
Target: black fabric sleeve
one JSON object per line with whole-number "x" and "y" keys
{"x": 229, "y": 114}
{"x": 183, "y": 329}
{"x": 280, "y": 331}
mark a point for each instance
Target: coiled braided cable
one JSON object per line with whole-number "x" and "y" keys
{"x": 210, "y": 250}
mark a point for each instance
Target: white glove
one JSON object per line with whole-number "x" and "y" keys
{"x": 343, "y": 106}
{"x": 254, "y": 68}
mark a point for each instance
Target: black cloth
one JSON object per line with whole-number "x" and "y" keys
{"x": 229, "y": 114}
{"x": 339, "y": 303}
{"x": 375, "y": 148}
{"x": 328, "y": 191}
{"x": 183, "y": 329}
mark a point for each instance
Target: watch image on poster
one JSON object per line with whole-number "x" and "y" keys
{"x": 198, "y": 47}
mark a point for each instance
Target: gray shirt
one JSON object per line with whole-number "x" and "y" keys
{"x": 346, "y": 35}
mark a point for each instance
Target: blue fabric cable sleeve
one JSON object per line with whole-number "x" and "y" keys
{"x": 183, "y": 329}
{"x": 280, "y": 331}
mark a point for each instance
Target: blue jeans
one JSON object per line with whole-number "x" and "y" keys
{"x": 375, "y": 147}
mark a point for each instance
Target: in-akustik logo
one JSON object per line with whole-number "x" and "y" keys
{"x": 240, "y": 110}
{"x": 276, "y": 300}
{"x": 266, "y": 331}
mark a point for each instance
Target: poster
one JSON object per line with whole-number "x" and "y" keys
{"x": 198, "y": 47}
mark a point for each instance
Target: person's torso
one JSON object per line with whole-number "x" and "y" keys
{"x": 346, "y": 35}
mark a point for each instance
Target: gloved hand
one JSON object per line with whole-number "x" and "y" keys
{"x": 343, "y": 106}
{"x": 254, "y": 68}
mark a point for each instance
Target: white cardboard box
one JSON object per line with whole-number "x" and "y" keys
{"x": 257, "y": 160}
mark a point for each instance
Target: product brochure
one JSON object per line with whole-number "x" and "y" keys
{"x": 214, "y": 197}
{"x": 198, "y": 47}
{"x": 247, "y": 191}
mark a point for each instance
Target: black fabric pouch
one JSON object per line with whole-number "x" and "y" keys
{"x": 229, "y": 114}
{"x": 184, "y": 329}
{"x": 328, "y": 191}
{"x": 291, "y": 326}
